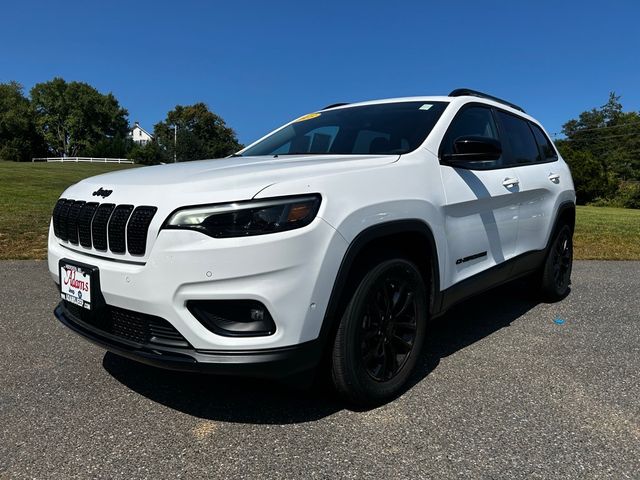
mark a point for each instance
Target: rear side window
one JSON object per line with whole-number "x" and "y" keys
{"x": 472, "y": 122}
{"x": 548, "y": 152}
{"x": 519, "y": 136}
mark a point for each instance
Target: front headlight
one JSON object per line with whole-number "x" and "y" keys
{"x": 241, "y": 219}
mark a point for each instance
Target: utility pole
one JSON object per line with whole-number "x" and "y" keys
{"x": 175, "y": 142}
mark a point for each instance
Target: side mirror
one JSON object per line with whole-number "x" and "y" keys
{"x": 474, "y": 149}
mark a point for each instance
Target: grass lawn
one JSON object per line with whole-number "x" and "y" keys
{"x": 604, "y": 233}
{"x": 28, "y": 192}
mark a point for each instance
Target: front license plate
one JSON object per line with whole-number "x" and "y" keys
{"x": 75, "y": 284}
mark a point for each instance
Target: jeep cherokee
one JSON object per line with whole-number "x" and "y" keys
{"x": 336, "y": 237}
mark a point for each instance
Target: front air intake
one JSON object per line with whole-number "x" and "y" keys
{"x": 128, "y": 325}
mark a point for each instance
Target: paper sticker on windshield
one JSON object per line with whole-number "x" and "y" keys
{"x": 426, "y": 106}
{"x": 307, "y": 117}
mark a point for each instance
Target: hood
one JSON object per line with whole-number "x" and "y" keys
{"x": 218, "y": 180}
{"x": 167, "y": 187}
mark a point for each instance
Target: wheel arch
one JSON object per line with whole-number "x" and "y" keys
{"x": 566, "y": 213}
{"x": 360, "y": 253}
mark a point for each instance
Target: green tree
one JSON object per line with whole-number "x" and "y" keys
{"x": 111, "y": 147}
{"x": 73, "y": 117}
{"x": 603, "y": 148}
{"x": 589, "y": 174}
{"x": 18, "y": 138}
{"x": 148, "y": 154}
{"x": 201, "y": 134}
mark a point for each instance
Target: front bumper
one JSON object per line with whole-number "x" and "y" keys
{"x": 290, "y": 273}
{"x": 269, "y": 363}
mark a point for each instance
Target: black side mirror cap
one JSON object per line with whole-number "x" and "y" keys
{"x": 474, "y": 149}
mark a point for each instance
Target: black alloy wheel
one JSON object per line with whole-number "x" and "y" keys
{"x": 381, "y": 333}
{"x": 389, "y": 325}
{"x": 556, "y": 274}
{"x": 562, "y": 259}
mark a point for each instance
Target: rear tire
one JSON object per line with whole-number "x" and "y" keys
{"x": 556, "y": 272}
{"x": 380, "y": 334}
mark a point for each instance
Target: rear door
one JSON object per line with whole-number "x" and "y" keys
{"x": 481, "y": 211}
{"x": 541, "y": 179}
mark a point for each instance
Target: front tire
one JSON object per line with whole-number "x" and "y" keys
{"x": 556, "y": 272}
{"x": 380, "y": 334}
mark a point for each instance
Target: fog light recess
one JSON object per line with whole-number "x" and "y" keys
{"x": 233, "y": 318}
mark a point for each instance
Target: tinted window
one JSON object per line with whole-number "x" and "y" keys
{"x": 386, "y": 128}
{"x": 365, "y": 138}
{"x": 523, "y": 146}
{"x": 318, "y": 140}
{"x": 548, "y": 152}
{"x": 474, "y": 122}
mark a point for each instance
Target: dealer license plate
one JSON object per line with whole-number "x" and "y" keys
{"x": 75, "y": 284}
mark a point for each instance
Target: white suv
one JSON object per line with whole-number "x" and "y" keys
{"x": 336, "y": 237}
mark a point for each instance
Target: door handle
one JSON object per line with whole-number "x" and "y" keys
{"x": 554, "y": 177}
{"x": 510, "y": 182}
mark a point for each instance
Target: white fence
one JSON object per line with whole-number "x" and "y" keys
{"x": 82, "y": 159}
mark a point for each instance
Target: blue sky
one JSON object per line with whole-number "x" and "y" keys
{"x": 259, "y": 64}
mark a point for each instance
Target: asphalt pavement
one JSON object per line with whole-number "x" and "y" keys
{"x": 507, "y": 388}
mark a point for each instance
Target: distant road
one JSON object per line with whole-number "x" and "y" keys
{"x": 508, "y": 389}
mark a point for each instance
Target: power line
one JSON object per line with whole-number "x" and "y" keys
{"x": 599, "y": 153}
{"x": 596, "y": 139}
{"x": 633, "y": 152}
{"x": 602, "y": 148}
{"x": 636, "y": 124}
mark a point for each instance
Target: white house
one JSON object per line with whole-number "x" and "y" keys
{"x": 140, "y": 135}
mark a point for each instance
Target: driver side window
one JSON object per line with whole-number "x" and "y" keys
{"x": 472, "y": 122}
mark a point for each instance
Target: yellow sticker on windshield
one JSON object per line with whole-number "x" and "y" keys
{"x": 309, "y": 116}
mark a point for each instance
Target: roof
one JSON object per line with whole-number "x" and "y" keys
{"x": 137, "y": 125}
{"x": 439, "y": 98}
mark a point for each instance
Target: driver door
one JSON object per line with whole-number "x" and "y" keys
{"x": 482, "y": 201}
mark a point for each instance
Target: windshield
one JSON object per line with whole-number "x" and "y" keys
{"x": 384, "y": 128}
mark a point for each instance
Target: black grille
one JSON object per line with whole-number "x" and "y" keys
{"x": 117, "y": 226}
{"x": 63, "y": 219}
{"x": 103, "y": 226}
{"x": 56, "y": 216}
{"x": 139, "y": 328}
{"x": 84, "y": 223}
{"x": 137, "y": 229}
{"x": 129, "y": 325}
{"x": 99, "y": 225}
{"x": 72, "y": 221}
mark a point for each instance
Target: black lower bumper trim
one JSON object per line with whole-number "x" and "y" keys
{"x": 270, "y": 363}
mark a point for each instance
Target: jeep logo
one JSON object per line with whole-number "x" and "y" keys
{"x": 101, "y": 192}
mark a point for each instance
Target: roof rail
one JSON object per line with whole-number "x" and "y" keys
{"x": 334, "y": 105}
{"x": 459, "y": 92}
